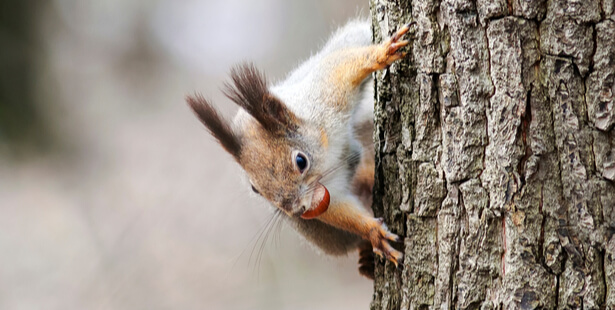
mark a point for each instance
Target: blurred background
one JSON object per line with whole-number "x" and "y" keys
{"x": 112, "y": 195}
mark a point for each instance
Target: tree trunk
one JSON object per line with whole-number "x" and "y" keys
{"x": 22, "y": 127}
{"x": 495, "y": 154}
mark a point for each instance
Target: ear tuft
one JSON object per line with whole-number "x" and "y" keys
{"x": 217, "y": 126}
{"x": 249, "y": 91}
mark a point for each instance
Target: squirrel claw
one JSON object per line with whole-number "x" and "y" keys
{"x": 410, "y": 24}
{"x": 378, "y": 252}
{"x": 379, "y": 237}
{"x": 401, "y": 31}
{"x": 389, "y": 48}
{"x": 387, "y": 234}
{"x": 393, "y": 237}
{"x": 393, "y": 256}
{"x": 396, "y": 45}
{"x": 387, "y": 252}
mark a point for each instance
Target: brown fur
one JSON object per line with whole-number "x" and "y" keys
{"x": 358, "y": 63}
{"x": 267, "y": 133}
{"x": 270, "y": 137}
{"x": 266, "y": 170}
{"x": 366, "y": 259}
{"x": 249, "y": 91}
{"x": 217, "y": 126}
{"x": 362, "y": 186}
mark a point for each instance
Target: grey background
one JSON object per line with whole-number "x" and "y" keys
{"x": 131, "y": 205}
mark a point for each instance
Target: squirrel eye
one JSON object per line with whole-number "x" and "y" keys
{"x": 301, "y": 161}
{"x": 255, "y": 190}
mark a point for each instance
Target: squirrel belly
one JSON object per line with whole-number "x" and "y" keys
{"x": 305, "y": 143}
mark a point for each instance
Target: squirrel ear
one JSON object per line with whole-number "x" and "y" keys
{"x": 249, "y": 91}
{"x": 217, "y": 126}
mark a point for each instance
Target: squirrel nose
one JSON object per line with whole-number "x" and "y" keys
{"x": 299, "y": 211}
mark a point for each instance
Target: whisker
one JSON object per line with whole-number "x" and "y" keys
{"x": 343, "y": 161}
{"x": 354, "y": 156}
{"x": 312, "y": 187}
{"x": 259, "y": 259}
{"x": 278, "y": 230}
{"x": 261, "y": 234}
{"x": 252, "y": 240}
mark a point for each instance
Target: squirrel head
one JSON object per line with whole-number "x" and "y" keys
{"x": 280, "y": 152}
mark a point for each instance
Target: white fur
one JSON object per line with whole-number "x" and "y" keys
{"x": 305, "y": 93}
{"x": 301, "y": 93}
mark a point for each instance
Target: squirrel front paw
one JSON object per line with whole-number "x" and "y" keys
{"x": 379, "y": 236}
{"x": 388, "y": 50}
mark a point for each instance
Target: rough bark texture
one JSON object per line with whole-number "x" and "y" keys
{"x": 495, "y": 154}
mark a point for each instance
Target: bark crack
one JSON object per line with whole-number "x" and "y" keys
{"x": 557, "y": 279}
{"x": 541, "y": 238}
{"x": 523, "y": 131}
{"x": 504, "y": 246}
{"x": 604, "y": 282}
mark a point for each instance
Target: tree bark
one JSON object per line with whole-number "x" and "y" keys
{"x": 495, "y": 154}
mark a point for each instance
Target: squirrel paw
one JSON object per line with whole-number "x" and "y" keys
{"x": 366, "y": 259}
{"x": 389, "y": 49}
{"x": 380, "y": 236}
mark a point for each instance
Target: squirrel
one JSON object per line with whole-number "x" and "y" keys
{"x": 298, "y": 141}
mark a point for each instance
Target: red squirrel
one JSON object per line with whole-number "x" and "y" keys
{"x": 297, "y": 141}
